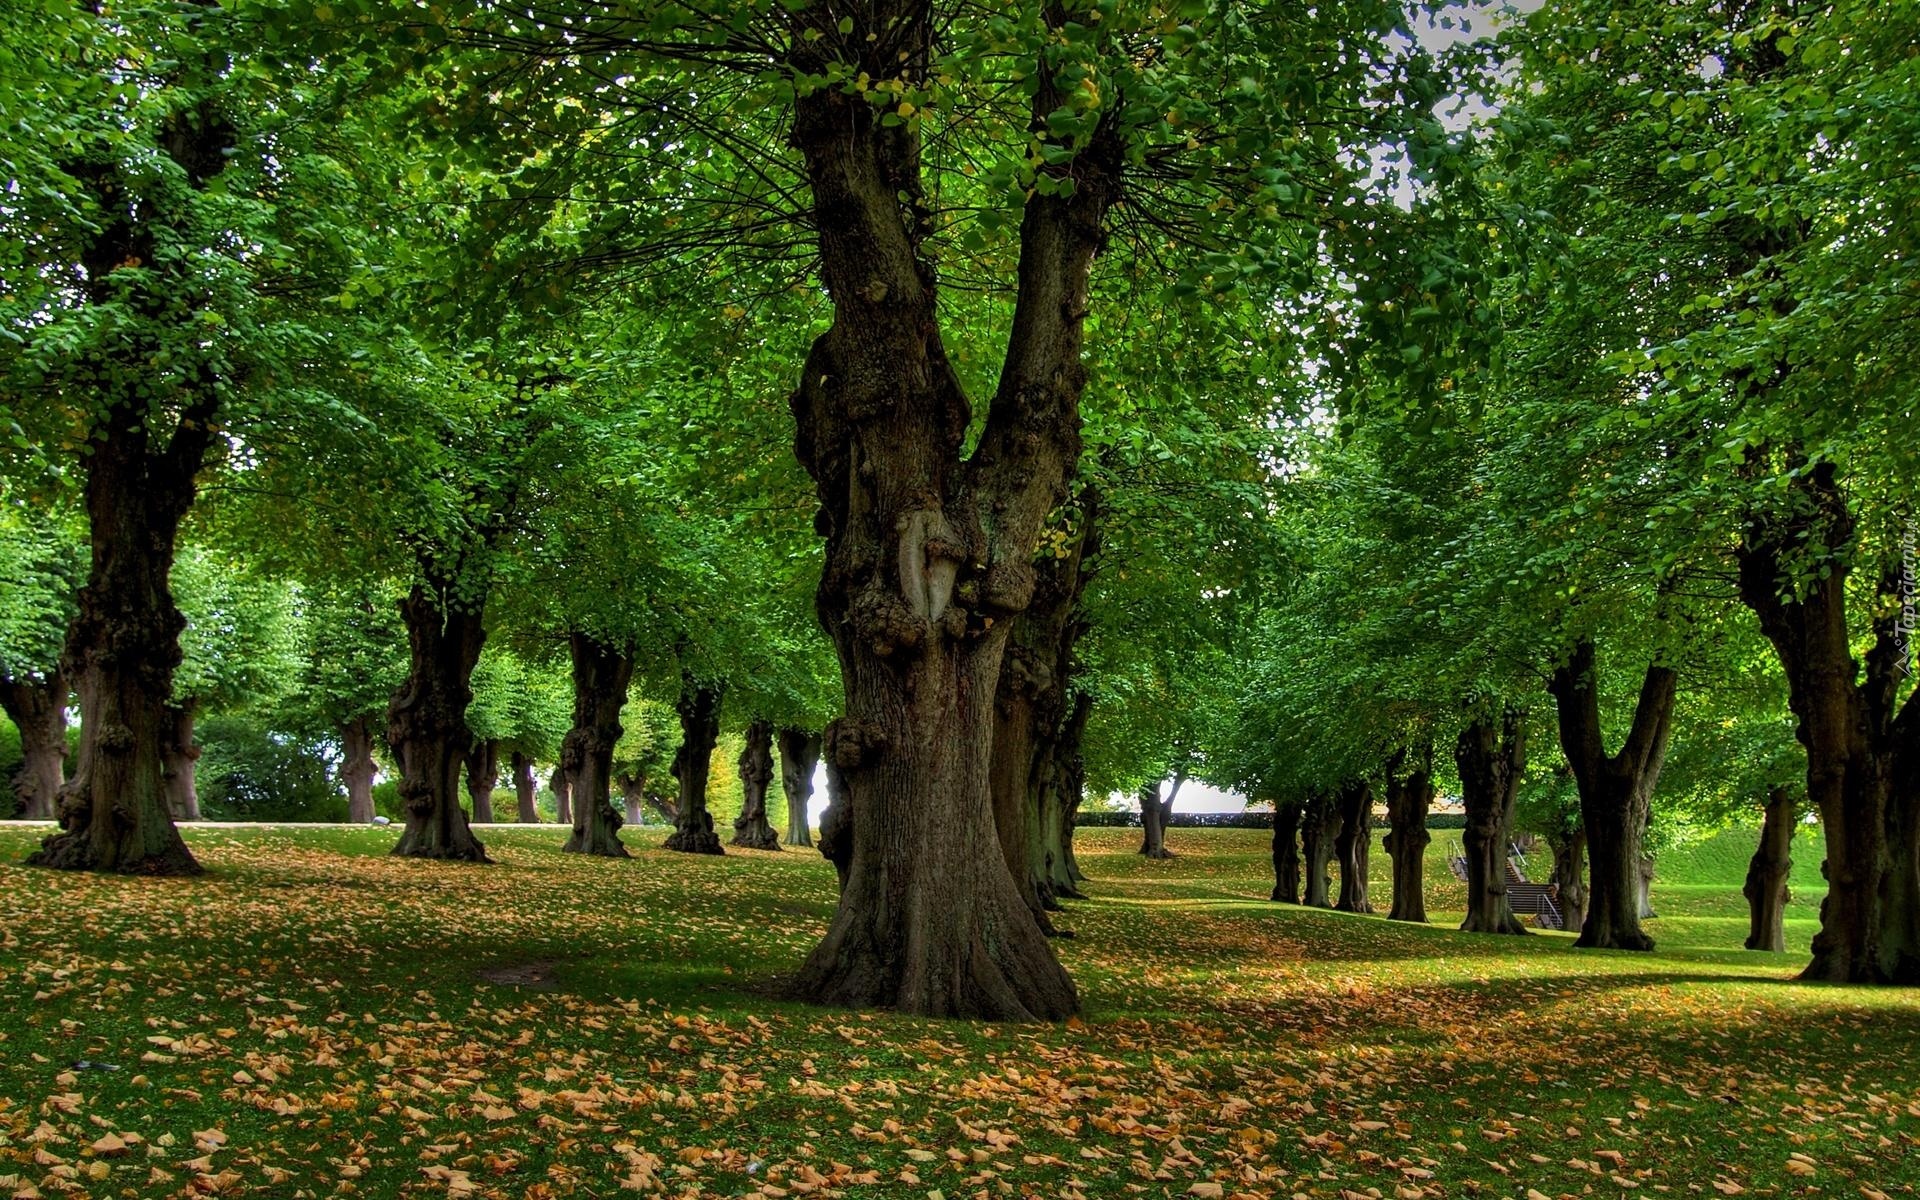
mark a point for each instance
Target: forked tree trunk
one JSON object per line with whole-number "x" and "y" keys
{"x": 1354, "y": 845}
{"x": 929, "y": 554}
{"x": 799, "y": 755}
{"x": 699, "y": 707}
{"x": 427, "y": 727}
{"x": 1154, "y": 812}
{"x": 601, "y": 674}
{"x": 483, "y": 775}
{"x": 562, "y": 789}
{"x": 1409, "y": 797}
{"x": 1570, "y": 876}
{"x": 356, "y": 768}
{"x": 525, "y": 790}
{"x": 124, "y": 643}
{"x": 1286, "y": 852}
{"x": 1615, "y": 791}
{"x": 1319, "y": 831}
{"x": 1766, "y": 887}
{"x": 750, "y": 828}
{"x": 1490, "y": 760}
{"x": 37, "y": 706}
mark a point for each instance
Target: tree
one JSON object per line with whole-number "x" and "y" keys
{"x": 1490, "y": 755}
{"x": 1409, "y": 776}
{"x": 750, "y": 828}
{"x": 40, "y": 570}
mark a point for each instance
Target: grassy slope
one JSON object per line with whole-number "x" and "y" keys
{"x": 315, "y": 1024}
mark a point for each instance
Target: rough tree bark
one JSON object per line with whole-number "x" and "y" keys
{"x": 1490, "y": 759}
{"x": 526, "y": 811}
{"x": 1353, "y": 846}
{"x": 427, "y": 726}
{"x": 1570, "y": 875}
{"x": 182, "y": 758}
{"x": 562, "y": 789}
{"x": 1154, "y": 812}
{"x": 601, "y": 674}
{"x": 799, "y": 754}
{"x": 1766, "y": 887}
{"x": 37, "y": 706}
{"x": 1286, "y": 852}
{"x": 836, "y": 826}
{"x": 699, "y": 707}
{"x": 751, "y": 829}
{"x": 356, "y": 768}
{"x": 930, "y": 552}
{"x": 1319, "y": 831}
{"x": 1061, "y": 804}
{"x": 1643, "y": 882}
{"x": 1409, "y": 796}
{"x": 139, "y": 480}
{"x": 1615, "y": 791}
{"x": 483, "y": 775}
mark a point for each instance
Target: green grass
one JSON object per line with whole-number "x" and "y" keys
{"x": 312, "y": 1019}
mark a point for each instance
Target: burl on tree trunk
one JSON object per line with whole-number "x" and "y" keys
{"x": 699, "y": 707}
{"x": 427, "y": 726}
{"x": 144, "y": 455}
{"x": 929, "y": 555}
{"x": 1766, "y": 887}
{"x": 525, "y": 790}
{"x": 1490, "y": 759}
{"x": 1409, "y": 797}
{"x": 1286, "y": 852}
{"x": 483, "y": 775}
{"x": 799, "y": 754}
{"x": 356, "y": 768}
{"x": 1615, "y": 791}
{"x": 1354, "y": 845}
{"x": 750, "y": 828}
{"x": 601, "y": 674}
{"x": 37, "y": 706}
{"x": 1570, "y": 875}
{"x": 1319, "y": 830}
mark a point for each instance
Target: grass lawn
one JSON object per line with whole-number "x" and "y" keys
{"x": 315, "y": 1019}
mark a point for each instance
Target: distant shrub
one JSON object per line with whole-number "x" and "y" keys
{"x": 248, "y": 772}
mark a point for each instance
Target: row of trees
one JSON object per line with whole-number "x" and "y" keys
{"x": 1324, "y": 422}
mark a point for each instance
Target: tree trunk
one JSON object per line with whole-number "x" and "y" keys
{"x": 562, "y": 789}
{"x": 1153, "y": 817}
{"x": 799, "y": 755}
{"x": 1409, "y": 797}
{"x": 836, "y": 826}
{"x": 699, "y": 707}
{"x": 601, "y": 674}
{"x": 1286, "y": 852}
{"x": 929, "y": 556}
{"x": 751, "y": 829}
{"x": 182, "y": 762}
{"x": 1354, "y": 845}
{"x": 483, "y": 775}
{"x": 1073, "y": 791}
{"x": 1766, "y": 888}
{"x": 37, "y": 706}
{"x": 1320, "y": 831}
{"x": 1490, "y": 761}
{"x": 1643, "y": 883}
{"x": 427, "y": 726}
{"x": 1570, "y": 876}
{"x": 635, "y": 789}
{"x": 1615, "y": 791}
{"x": 356, "y": 768}
{"x": 526, "y": 811}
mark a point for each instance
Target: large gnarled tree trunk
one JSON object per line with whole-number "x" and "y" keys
{"x": 929, "y": 553}
{"x": 799, "y": 754}
{"x": 37, "y": 706}
{"x": 356, "y": 768}
{"x": 1319, "y": 831}
{"x": 427, "y": 726}
{"x": 1354, "y": 845}
{"x": 601, "y": 674}
{"x": 1490, "y": 758}
{"x": 525, "y": 790}
{"x": 699, "y": 708}
{"x": 750, "y": 828}
{"x": 1766, "y": 886}
{"x": 1616, "y": 791}
{"x": 1286, "y": 852}
{"x": 1409, "y": 797}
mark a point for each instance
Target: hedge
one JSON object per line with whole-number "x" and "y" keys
{"x": 1255, "y": 819}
